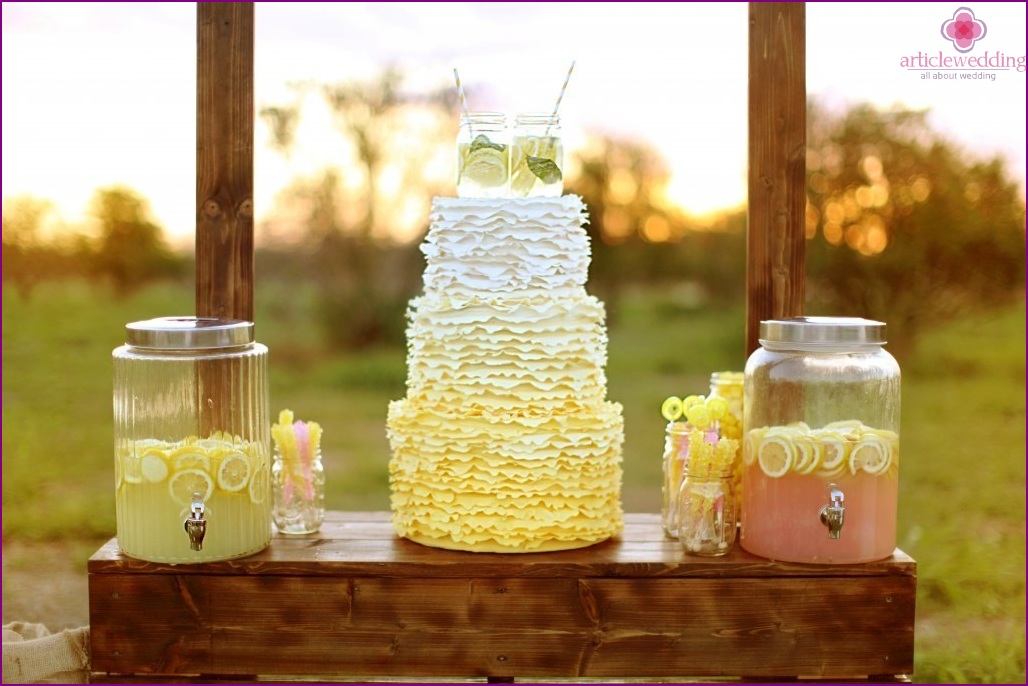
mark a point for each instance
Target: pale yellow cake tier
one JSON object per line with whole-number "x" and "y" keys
{"x": 490, "y": 482}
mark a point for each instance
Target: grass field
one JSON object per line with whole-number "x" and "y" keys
{"x": 962, "y": 501}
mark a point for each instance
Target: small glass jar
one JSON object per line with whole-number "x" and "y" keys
{"x": 191, "y": 440}
{"x": 821, "y": 446}
{"x": 483, "y": 156}
{"x": 729, "y": 386}
{"x": 298, "y": 486}
{"x": 537, "y": 156}
{"x": 707, "y": 511}
{"x": 676, "y": 457}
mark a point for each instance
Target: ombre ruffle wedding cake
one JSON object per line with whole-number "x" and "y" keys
{"x": 505, "y": 441}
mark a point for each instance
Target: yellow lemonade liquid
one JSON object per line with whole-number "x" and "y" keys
{"x": 156, "y": 482}
{"x": 537, "y": 166}
{"x": 786, "y": 480}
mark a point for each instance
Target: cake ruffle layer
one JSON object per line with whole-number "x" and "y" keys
{"x": 535, "y": 349}
{"x": 506, "y": 482}
{"x": 509, "y": 245}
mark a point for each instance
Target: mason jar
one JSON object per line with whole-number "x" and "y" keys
{"x": 707, "y": 511}
{"x": 191, "y": 440}
{"x": 298, "y": 486}
{"x": 537, "y": 156}
{"x": 729, "y": 386}
{"x": 483, "y": 156}
{"x": 821, "y": 419}
{"x": 676, "y": 456}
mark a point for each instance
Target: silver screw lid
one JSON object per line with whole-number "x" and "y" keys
{"x": 189, "y": 333}
{"x": 834, "y": 331}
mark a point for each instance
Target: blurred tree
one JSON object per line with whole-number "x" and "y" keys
{"x": 903, "y": 226}
{"x": 131, "y": 249}
{"x": 24, "y": 254}
{"x": 357, "y": 216}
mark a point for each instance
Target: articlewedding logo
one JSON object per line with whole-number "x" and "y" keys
{"x": 963, "y": 29}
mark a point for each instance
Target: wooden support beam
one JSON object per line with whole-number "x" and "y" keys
{"x": 775, "y": 249}
{"x": 224, "y": 160}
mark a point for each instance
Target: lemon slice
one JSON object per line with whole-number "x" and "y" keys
{"x": 130, "y": 470}
{"x": 671, "y": 410}
{"x": 776, "y": 455}
{"x": 259, "y": 485}
{"x": 190, "y": 458}
{"x": 233, "y": 472}
{"x": 871, "y": 454}
{"x": 836, "y": 450}
{"x": 810, "y": 454}
{"x": 184, "y": 484}
{"x": 486, "y": 166}
{"x": 750, "y": 445}
{"x": 845, "y": 425}
{"x": 154, "y": 466}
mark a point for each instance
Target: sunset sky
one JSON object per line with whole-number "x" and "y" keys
{"x": 102, "y": 93}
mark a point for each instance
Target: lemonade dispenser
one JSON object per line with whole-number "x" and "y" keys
{"x": 191, "y": 440}
{"x": 821, "y": 442}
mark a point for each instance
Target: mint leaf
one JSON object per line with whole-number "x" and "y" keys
{"x": 545, "y": 169}
{"x": 482, "y": 141}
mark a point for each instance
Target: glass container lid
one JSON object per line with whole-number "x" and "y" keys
{"x": 834, "y": 331}
{"x": 189, "y": 333}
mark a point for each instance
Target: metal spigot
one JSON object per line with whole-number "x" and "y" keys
{"x": 196, "y": 523}
{"x": 833, "y": 514}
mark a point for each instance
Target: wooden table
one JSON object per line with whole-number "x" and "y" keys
{"x": 355, "y": 600}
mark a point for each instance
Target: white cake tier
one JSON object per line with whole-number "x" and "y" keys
{"x": 531, "y": 352}
{"x": 496, "y": 246}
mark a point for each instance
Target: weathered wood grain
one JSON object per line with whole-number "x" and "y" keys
{"x": 356, "y": 600}
{"x": 776, "y": 249}
{"x": 224, "y": 160}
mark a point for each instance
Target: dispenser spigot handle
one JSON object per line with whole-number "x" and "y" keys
{"x": 196, "y": 523}
{"x": 833, "y": 514}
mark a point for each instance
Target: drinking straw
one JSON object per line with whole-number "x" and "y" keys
{"x": 460, "y": 92}
{"x": 561, "y": 96}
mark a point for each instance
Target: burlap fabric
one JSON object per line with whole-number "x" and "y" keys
{"x": 32, "y": 655}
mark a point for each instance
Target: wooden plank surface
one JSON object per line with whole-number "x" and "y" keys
{"x": 356, "y": 600}
{"x": 364, "y": 544}
{"x": 776, "y": 239}
{"x": 224, "y": 160}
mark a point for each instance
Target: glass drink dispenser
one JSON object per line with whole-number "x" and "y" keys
{"x": 191, "y": 440}
{"x": 821, "y": 442}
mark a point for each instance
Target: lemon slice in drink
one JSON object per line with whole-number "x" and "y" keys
{"x": 188, "y": 457}
{"x": 486, "y": 166}
{"x": 130, "y": 472}
{"x": 809, "y": 454}
{"x": 750, "y": 445}
{"x": 259, "y": 485}
{"x": 871, "y": 454}
{"x": 776, "y": 455}
{"x": 233, "y": 472}
{"x": 184, "y": 484}
{"x": 154, "y": 466}
{"x": 835, "y": 449}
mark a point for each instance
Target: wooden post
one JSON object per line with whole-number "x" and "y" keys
{"x": 224, "y": 160}
{"x": 775, "y": 243}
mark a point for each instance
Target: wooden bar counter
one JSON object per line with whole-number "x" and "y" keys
{"x": 356, "y": 602}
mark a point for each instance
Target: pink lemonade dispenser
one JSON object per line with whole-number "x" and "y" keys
{"x": 821, "y": 442}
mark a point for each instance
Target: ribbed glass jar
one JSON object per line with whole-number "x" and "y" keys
{"x": 191, "y": 440}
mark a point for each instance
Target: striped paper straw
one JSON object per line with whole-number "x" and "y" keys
{"x": 563, "y": 88}
{"x": 460, "y": 92}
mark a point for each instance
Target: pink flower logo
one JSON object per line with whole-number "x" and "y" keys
{"x": 963, "y": 29}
